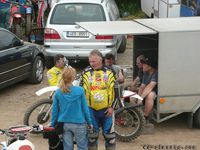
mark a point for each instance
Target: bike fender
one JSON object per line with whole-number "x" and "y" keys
{"x": 19, "y": 144}
{"x": 127, "y": 93}
{"x": 17, "y": 15}
{"x": 46, "y": 89}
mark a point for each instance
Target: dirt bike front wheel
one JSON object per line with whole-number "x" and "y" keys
{"x": 38, "y": 113}
{"x": 129, "y": 123}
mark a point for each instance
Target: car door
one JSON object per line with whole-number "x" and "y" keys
{"x": 15, "y": 58}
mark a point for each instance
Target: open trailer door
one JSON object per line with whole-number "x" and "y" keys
{"x": 118, "y": 28}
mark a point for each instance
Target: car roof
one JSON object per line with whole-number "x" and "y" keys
{"x": 81, "y": 1}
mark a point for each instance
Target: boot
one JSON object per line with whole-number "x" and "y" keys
{"x": 93, "y": 147}
{"x": 111, "y": 147}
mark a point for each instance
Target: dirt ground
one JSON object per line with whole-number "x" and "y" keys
{"x": 172, "y": 134}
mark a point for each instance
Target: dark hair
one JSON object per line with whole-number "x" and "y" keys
{"x": 57, "y": 57}
{"x": 149, "y": 61}
{"x": 109, "y": 56}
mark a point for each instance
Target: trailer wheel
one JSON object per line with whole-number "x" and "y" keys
{"x": 197, "y": 118}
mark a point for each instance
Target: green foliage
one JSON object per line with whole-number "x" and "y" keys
{"x": 130, "y": 6}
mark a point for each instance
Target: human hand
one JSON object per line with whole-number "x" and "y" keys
{"x": 90, "y": 126}
{"x": 109, "y": 111}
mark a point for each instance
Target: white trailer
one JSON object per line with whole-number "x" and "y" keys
{"x": 170, "y": 8}
{"x": 175, "y": 44}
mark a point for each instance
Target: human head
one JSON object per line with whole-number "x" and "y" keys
{"x": 96, "y": 59}
{"x": 71, "y": 9}
{"x": 148, "y": 64}
{"x": 68, "y": 76}
{"x": 109, "y": 59}
{"x": 138, "y": 61}
{"x": 60, "y": 61}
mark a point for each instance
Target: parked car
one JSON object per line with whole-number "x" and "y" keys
{"x": 19, "y": 60}
{"x": 62, "y": 35}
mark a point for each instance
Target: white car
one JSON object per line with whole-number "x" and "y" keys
{"x": 63, "y": 35}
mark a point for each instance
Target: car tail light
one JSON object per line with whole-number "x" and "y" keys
{"x": 51, "y": 34}
{"x": 25, "y": 147}
{"x": 104, "y": 37}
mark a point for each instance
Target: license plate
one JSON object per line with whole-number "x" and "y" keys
{"x": 84, "y": 34}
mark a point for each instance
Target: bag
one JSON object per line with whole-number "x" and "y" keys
{"x": 58, "y": 130}
{"x": 54, "y": 140}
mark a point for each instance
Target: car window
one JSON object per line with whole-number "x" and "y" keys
{"x": 71, "y": 13}
{"x": 8, "y": 40}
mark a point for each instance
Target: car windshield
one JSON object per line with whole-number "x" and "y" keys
{"x": 71, "y": 13}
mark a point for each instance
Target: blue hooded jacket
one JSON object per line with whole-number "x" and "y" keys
{"x": 70, "y": 107}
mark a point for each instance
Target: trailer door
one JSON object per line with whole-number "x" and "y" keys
{"x": 116, "y": 28}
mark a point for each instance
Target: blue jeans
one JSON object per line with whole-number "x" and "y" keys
{"x": 99, "y": 119}
{"x": 75, "y": 131}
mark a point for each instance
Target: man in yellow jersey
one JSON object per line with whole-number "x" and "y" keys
{"x": 98, "y": 82}
{"x": 54, "y": 74}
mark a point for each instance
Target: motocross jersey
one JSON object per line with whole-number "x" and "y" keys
{"x": 54, "y": 76}
{"x": 99, "y": 87}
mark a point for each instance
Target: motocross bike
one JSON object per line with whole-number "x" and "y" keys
{"x": 15, "y": 20}
{"x": 129, "y": 119}
{"x": 19, "y": 15}
{"x": 18, "y": 137}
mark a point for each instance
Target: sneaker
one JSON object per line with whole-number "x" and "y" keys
{"x": 148, "y": 120}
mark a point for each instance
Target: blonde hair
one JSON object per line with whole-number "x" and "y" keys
{"x": 68, "y": 76}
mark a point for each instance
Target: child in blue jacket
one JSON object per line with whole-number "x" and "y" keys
{"x": 70, "y": 107}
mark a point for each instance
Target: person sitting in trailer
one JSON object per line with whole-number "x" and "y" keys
{"x": 148, "y": 88}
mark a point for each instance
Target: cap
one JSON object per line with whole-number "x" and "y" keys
{"x": 149, "y": 61}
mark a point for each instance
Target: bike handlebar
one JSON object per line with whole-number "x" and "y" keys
{"x": 20, "y": 130}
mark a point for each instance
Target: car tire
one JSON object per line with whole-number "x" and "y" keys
{"x": 49, "y": 62}
{"x": 122, "y": 46}
{"x": 37, "y": 71}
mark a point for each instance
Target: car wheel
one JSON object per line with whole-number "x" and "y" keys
{"x": 37, "y": 70}
{"x": 122, "y": 46}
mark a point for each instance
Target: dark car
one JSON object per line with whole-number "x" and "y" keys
{"x": 19, "y": 60}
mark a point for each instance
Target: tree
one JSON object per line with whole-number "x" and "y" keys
{"x": 130, "y": 6}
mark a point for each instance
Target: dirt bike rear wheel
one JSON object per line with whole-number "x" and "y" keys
{"x": 129, "y": 123}
{"x": 35, "y": 114}
{"x": 28, "y": 24}
{"x": 18, "y": 30}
